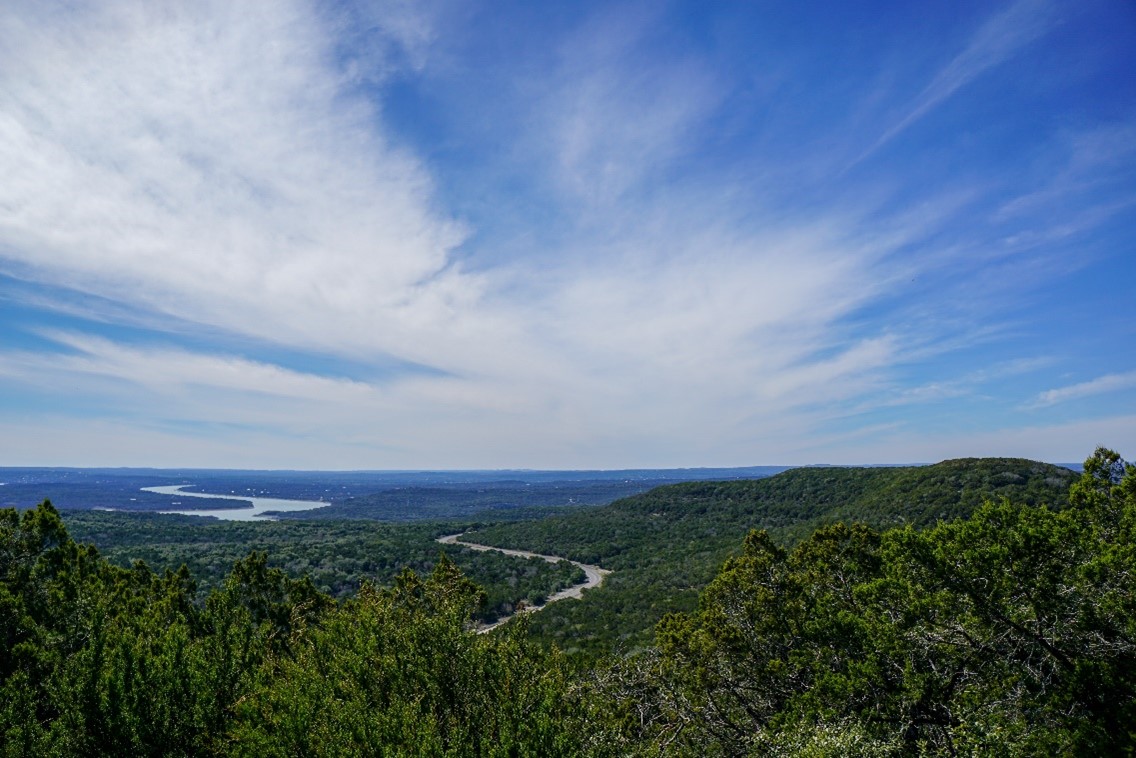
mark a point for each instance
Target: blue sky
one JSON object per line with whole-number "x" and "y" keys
{"x": 564, "y": 235}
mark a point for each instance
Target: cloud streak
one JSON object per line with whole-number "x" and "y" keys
{"x": 1099, "y": 386}
{"x": 211, "y": 162}
{"x": 999, "y": 38}
{"x": 616, "y": 117}
{"x": 213, "y": 186}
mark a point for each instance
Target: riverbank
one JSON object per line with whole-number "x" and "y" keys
{"x": 594, "y": 575}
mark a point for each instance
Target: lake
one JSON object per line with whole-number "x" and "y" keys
{"x": 260, "y": 506}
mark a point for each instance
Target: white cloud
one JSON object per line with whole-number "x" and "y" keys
{"x": 57, "y": 440}
{"x": 167, "y": 371}
{"x": 1098, "y": 386}
{"x": 969, "y": 384}
{"x": 1087, "y": 162}
{"x": 1001, "y": 37}
{"x": 1068, "y": 442}
{"x": 227, "y": 165}
{"x": 614, "y": 116}
{"x": 209, "y": 160}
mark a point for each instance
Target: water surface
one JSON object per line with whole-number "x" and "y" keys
{"x": 256, "y": 509}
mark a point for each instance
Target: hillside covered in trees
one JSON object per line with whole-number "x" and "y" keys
{"x": 1002, "y": 626}
{"x": 338, "y": 556}
{"x": 666, "y": 545}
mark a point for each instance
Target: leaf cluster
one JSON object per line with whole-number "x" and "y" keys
{"x": 1011, "y": 632}
{"x": 338, "y": 556}
{"x": 96, "y": 659}
{"x": 667, "y": 544}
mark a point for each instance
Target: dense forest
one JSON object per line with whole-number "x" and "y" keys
{"x": 339, "y": 557}
{"x": 667, "y": 544}
{"x": 974, "y": 608}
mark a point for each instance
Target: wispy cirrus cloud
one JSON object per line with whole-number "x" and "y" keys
{"x": 1086, "y": 162}
{"x": 213, "y": 163}
{"x": 168, "y": 371}
{"x": 1098, "y": 386}
{"x": 1057, "y": 442}
{"x": 616, "y": 116}
{"x": 228, "y": 182}
{"x": 999, "y": 38}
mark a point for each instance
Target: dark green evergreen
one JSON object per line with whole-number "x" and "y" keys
{"x": 338, "y": 556}
{"x": 1011, "y": 632}
{"x": 666, "y": 545}
{"x": 997, "y": 627}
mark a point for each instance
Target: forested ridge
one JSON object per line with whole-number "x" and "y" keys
{"x": 667, "y": 544}
{"x": 1004, "y": 627}
{"x": 338, "y": 556}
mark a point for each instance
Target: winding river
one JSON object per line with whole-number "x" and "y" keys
{"x": 262, "y": 508}
{"x": 258, "y": 509}
{"x": 594, "y": 575}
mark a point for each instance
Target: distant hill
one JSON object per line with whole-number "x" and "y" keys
{"x": 379, "y": 495}
{"x": 666, "y": 544}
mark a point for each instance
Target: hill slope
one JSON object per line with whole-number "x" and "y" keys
{"x": 666, "y": 544}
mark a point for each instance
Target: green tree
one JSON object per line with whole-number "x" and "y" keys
{"x": 1009, "y": 632}
{"x": 398, "y": 671}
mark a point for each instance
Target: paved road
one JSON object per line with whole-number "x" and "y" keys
{"x": 595, "y": 575}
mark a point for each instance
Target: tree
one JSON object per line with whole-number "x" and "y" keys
{"x": 1009, "y": 632}
{"x": 398, "y": 671}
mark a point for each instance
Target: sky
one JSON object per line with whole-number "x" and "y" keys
{"x": 455, "y": 235}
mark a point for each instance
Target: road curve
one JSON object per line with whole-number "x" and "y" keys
{"x": 594, "y": 575}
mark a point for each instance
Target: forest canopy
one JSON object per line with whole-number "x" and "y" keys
{"x": 1008, "y": 631}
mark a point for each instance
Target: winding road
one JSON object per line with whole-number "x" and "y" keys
{"x": 594, "y": 575}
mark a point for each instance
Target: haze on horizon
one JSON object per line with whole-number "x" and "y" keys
{"x": 440, "y": 235}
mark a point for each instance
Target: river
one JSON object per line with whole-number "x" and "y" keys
{"x": 594, "y": 575}
{"x": 261, "y": 507}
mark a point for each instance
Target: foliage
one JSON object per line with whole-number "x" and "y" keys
{"x": 101, "y": 660}
{"x": 667, "y": 544}
{"x": 395, "y": 671}
{"x": 338, "y": 556}
{"x": 1012, "y": 632}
